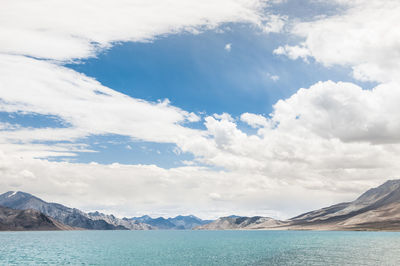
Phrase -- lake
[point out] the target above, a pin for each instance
(200, 248)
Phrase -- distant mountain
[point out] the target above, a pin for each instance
(187, 222)
(177, 223)
(141, 219)
(237, 222)
(160, 223)
(23, 220)
(111, 219)
(376, 209)
(68, 216)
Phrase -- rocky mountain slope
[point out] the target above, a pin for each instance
(376, 209)
(23, 220)
(95, 220)
(65, 215)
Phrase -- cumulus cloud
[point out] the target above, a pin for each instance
(326, 127)
(293, 52)
(363, 37)
(254, 120)
(344, 111)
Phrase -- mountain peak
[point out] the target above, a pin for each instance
(10, 194)
(181, 217)
(17, 195)
(386, 188)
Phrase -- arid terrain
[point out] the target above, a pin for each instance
(376, 209)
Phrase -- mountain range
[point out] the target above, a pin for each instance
(75, 218)
(376, 209)
(179, 222)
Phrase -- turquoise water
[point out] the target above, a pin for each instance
(199, 248)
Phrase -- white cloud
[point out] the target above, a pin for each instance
(274, 24)
(65, 30)
(224, 116)
(254, 120)
(363, 37)
(75, 99)
(273, 77)
(293, 52)
(344, 111)
(228, 47)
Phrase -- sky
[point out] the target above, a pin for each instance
(245, 107)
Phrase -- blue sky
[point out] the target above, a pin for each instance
(196, 73)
